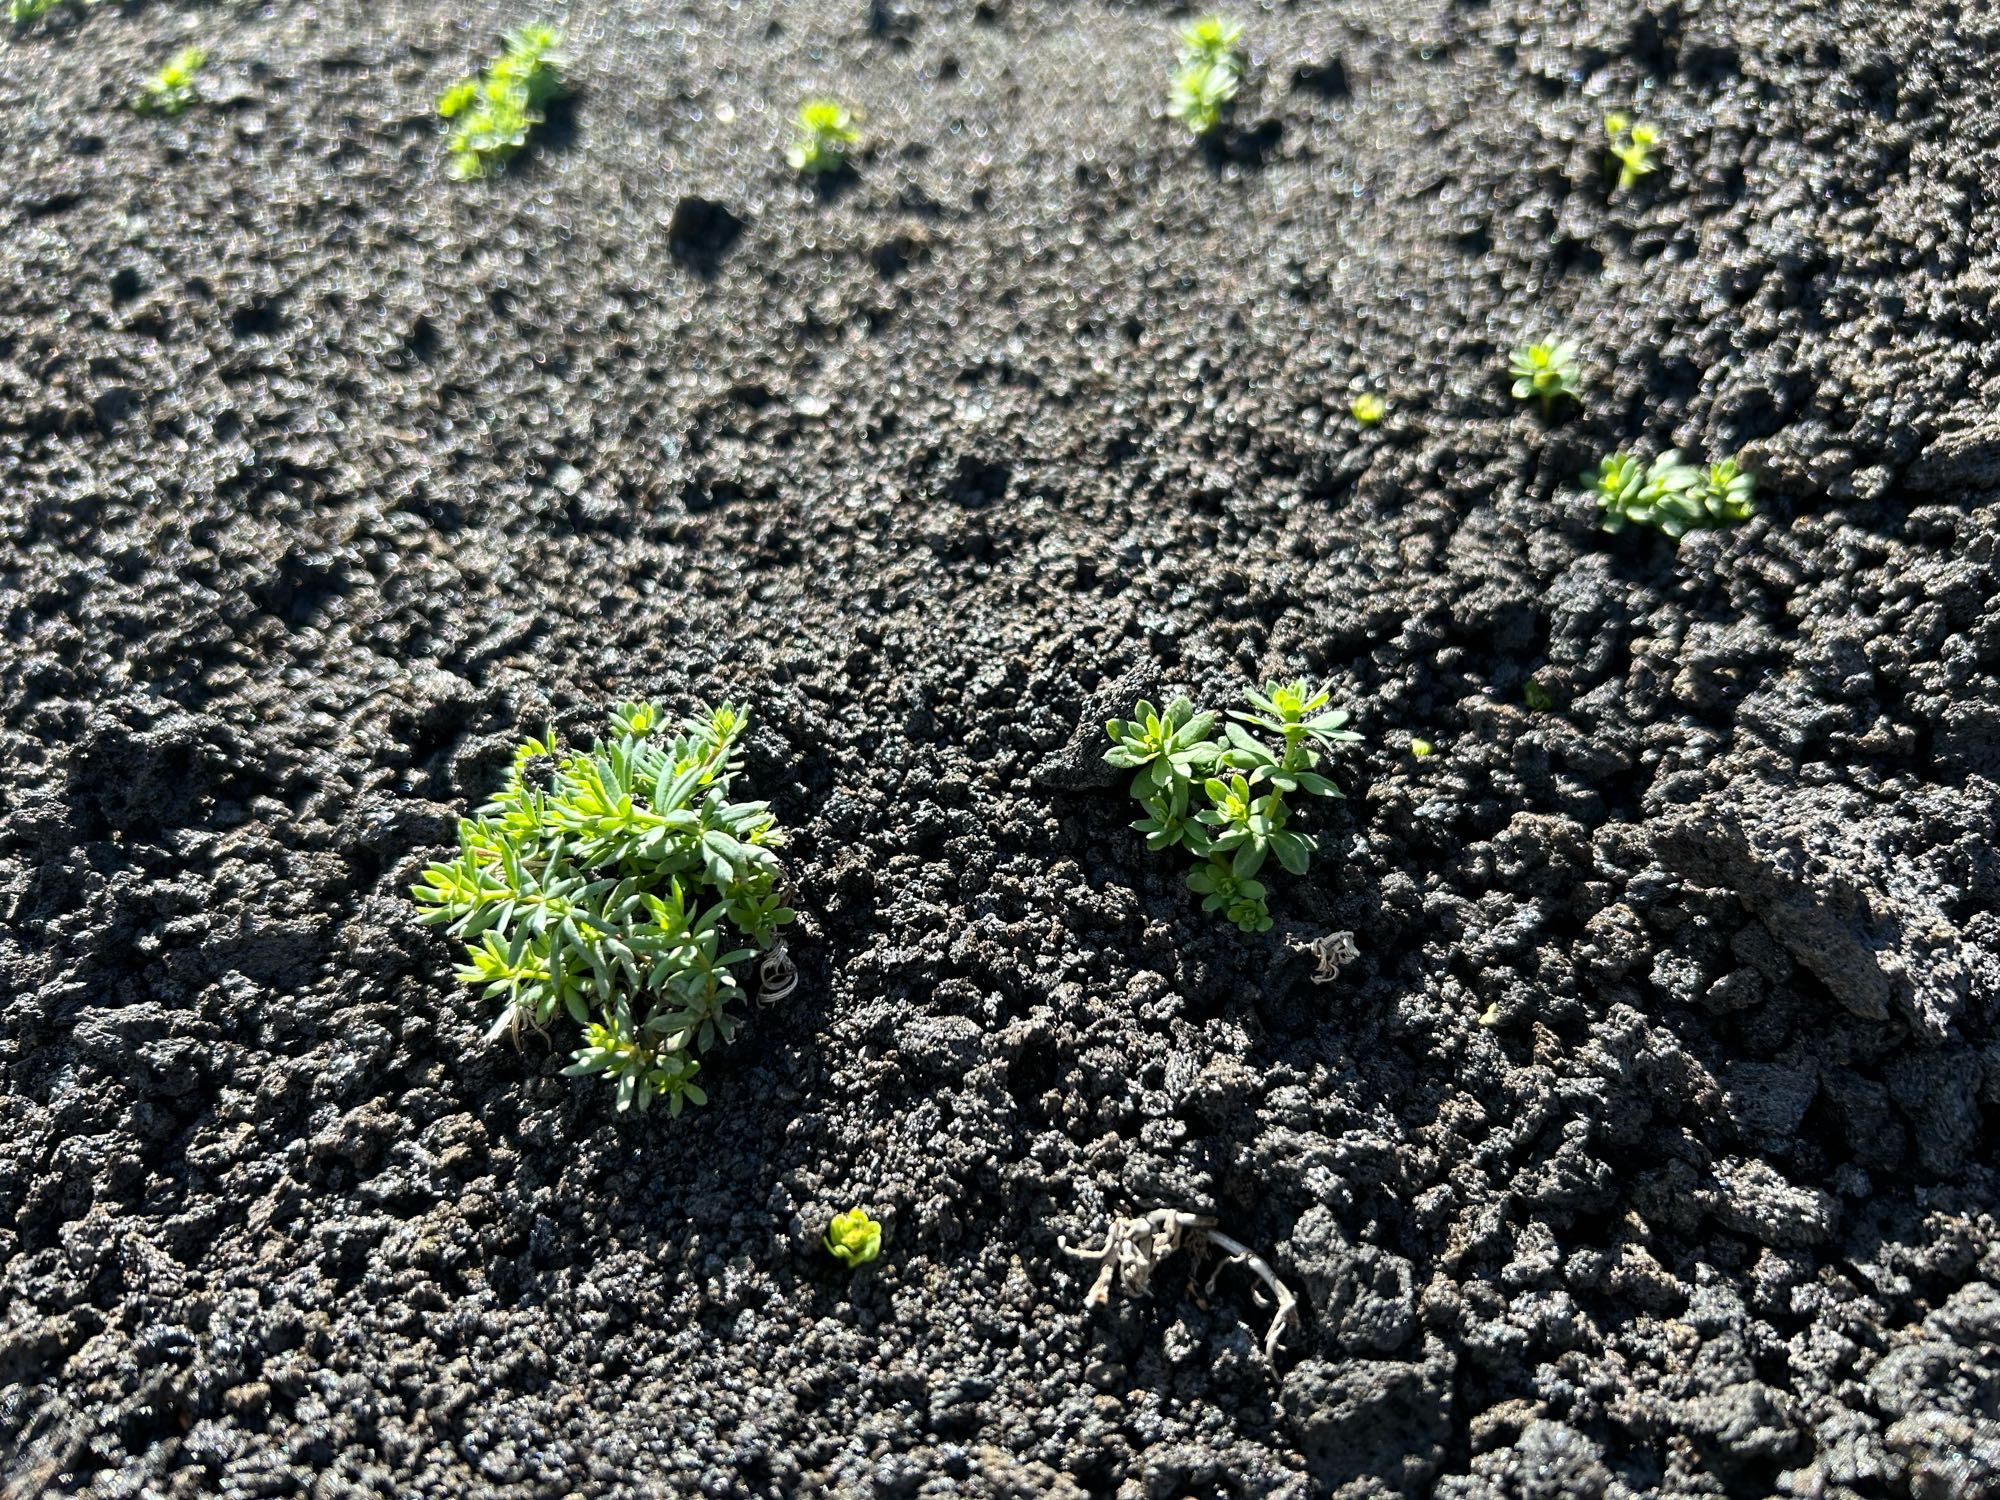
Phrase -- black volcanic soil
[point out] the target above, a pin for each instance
(1648, 1145)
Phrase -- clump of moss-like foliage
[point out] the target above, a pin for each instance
(618, 886)
(494, 114)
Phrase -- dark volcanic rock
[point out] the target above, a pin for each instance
(1645, 1147)
(1850, 887)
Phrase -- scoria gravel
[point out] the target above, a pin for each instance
(1647, 1147)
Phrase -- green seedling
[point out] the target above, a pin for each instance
(1209, 73)
(171, 91)
(1367, 408)
(1245, 778)
(1422, 749)
(1631, 149)
(1670, 495)
(494, 114)
(609, 886)
(1728, 494)
(853, 1238)
(27, 12)
(1547, 372)
(824, 135)
(1535, 693)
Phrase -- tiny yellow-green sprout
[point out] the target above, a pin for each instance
(171, 91)
(1367, 408)
(1546, 371)
(824, 134)
(1209, 73)
(1536, 695)
(1631, 149)
(853, 1238)
(1422, 749)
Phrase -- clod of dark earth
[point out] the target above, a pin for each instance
(1645, 1143)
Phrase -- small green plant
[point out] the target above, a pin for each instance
(824, 135)
(1670, 495)
(1631, 149)
(27, 12)
(171, 91)
(1246, 819)
(853, 1238)
(1422, 749)
(495, 113)
(1547, 372)
(604, 885)
(1535, 693)
(1728, 494)
(1209, 73)
(1367, 408)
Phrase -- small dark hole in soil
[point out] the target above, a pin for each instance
(1249, 147)
(830, 187)
(894, 256)
(701, 232)
(126, 284)
(977, 482)
(1573, 255)
(1327, 79)
(113, 406)
(1032, 1074)
(557, 132)
(422, 340)
(258, 318)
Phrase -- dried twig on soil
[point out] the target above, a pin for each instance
(1133, 1249)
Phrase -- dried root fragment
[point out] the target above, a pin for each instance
(1133, 1249)
(777, 975)
(1334, 952)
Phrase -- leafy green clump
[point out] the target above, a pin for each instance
(1545, 371)
(853, 1238)
(824, 134)
(605, 884)
(1631, 149)
(26, 12)
(1209, 73)
(1246, 819)
(1367, 408)
(171, 91)
(496, 112)
(1672, 496)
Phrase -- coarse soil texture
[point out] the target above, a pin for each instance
(1647, 1146)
